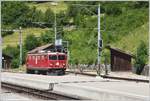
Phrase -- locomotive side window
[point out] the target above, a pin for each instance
(29, 57)
(45, 57)
(33, 57)
(38, 57)
(52, 57)
(42, 57)
(61, 57)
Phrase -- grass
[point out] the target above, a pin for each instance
(13, 39)
(21, 69)
(61, 6)
(132, 40)
(123, 31)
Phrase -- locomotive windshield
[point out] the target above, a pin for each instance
(52, 57)
(61, 57)
(55, 57)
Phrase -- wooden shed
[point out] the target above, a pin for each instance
(120, 60)
(6, 61)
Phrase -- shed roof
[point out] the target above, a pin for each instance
(120, 51)
(7, 56)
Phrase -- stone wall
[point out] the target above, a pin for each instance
(145, 70)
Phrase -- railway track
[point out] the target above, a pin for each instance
(41, 94)
(111, 77)
(104, 76)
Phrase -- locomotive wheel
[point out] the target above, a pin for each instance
(43, 72)
(61, 72)
(30, 71)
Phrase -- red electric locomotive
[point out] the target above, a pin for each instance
(46, 62)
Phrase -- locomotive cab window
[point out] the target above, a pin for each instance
(61, 57)
(52, 57)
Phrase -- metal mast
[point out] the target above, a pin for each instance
(55, 24)
(20, 43)
(99, 40)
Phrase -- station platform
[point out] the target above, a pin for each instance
(94, 88)
(119, 74)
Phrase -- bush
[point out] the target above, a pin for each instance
(141, 57)
(49, 17)
(7, 33)
(13, 11)
(141, 4)
(14, 53)
(114, 10)
(62, 18)
(11, 51)
(47, 37)
(18, 13)
(31, 42)
(15, 63)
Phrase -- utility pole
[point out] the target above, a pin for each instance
(68, 52)
(0, 52)
(55, 24)
(20, 43)
(99, 41)
(0, 59)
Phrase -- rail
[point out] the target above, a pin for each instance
(42, 94)
(111, 77)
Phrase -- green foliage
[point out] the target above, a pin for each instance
(118, 20)
(14, 53)
(49, 17)
(141, 57)
(62, 18)
(19, 14)
(13, 11)
(60, 32)
(31, 42)
(140, 4)
(15, 63)
(113, 10)
(11, 51)
(82, 46)
(114, 27)
(6, 33)
(47, 37)
(79, 20)
(119, 26)
(34, 15)
(24, 54)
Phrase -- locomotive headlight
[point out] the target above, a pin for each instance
(57, 63)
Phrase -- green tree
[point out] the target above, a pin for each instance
(141, 57)
(35, 15)
(15, 63)
(113, 10)
(62, 18)
(14, 53)
(31, 42)
(11, 51)
(49, 17)
(13, 12)
(47, 37)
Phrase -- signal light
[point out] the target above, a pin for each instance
(100, 43)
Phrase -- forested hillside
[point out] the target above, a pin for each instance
(123, 25)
